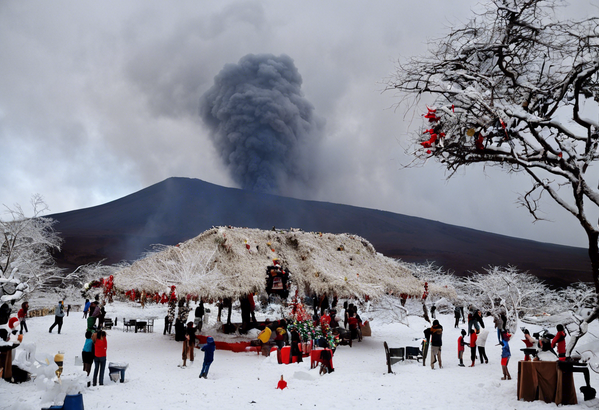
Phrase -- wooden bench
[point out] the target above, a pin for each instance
(108, 323)
(393, 355)
(127, 324)
(413, 353)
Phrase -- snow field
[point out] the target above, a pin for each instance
(248, 380)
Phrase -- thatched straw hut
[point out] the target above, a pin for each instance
(231, 262)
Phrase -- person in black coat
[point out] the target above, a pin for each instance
(436, 343)
(296, 351)
(457, 314)
(199, 316)
(4, 313)
(179, 330)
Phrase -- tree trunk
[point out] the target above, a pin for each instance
(594, 256)
(425, 311)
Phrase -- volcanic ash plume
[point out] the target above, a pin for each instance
(261, 124)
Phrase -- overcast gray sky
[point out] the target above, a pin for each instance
(101, 99)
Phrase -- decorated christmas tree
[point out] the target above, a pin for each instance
(305, 325)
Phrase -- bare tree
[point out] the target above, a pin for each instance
(516, 88)
(183, 267)
(506, 288)
(577, 296)
(26, 244)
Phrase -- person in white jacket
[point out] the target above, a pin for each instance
(480, 343)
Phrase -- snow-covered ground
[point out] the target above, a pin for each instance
(247, 380)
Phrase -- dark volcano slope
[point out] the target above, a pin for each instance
(178, 209)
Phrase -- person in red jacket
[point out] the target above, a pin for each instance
(529, 341)
(461, 343)
(560, 341)
(473, 337)
(22, 315)
(100, 346)
(354, 326)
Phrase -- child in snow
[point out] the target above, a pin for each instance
(461, 348)
(87, 354)
(473, 337)
(505, 355)
(208, 350)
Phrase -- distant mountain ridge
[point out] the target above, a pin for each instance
(178, 209)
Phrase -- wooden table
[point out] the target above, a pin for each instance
(539, 380)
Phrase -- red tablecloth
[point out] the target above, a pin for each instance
(286, 355)
(315, 357)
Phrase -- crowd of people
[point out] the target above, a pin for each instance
(334, 329)
(279, 334)
(475, 337)
(185, 332)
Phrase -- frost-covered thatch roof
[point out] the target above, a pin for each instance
(231, 262)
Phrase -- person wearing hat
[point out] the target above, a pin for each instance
(58, 316)
(505, 355)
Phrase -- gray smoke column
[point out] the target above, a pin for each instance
(261, 124)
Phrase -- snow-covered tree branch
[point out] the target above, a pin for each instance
(25, 250)
(517, 88)
(507, 289)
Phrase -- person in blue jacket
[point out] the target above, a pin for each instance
(505, 355)
(86, 308)
(208, 350)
